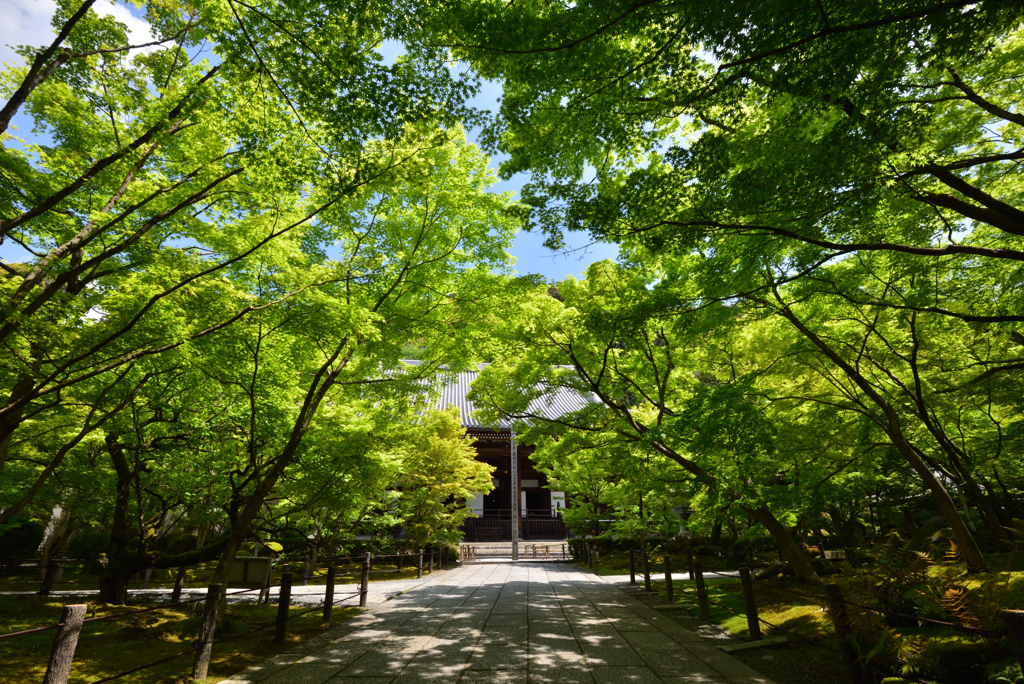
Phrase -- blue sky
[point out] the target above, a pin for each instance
(531, 255)
(27, 22)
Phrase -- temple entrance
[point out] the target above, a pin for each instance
(537, 518)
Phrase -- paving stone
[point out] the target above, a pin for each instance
(579, 676)
(625, 675)
(315, 672)
(613, 656)
(493, 677)
(677, 663)
(498, 656)
(377, 664)
(656, 641)
(507, 624)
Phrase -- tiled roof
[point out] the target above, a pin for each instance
(552, 405)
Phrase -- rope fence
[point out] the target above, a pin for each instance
(855, 665)
(74, 617)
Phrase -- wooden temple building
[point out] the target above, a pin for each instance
(537, 517)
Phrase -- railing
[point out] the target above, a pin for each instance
(488, 529)
(506, 513)
(543, 528)
(497, 525)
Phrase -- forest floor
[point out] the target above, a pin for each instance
(108, 647)
(112, 646)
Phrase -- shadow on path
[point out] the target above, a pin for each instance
(513, 623)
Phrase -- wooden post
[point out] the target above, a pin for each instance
(264, 597)
(689, 563)
(837, 611)
(332, 576)
(179, 584)
(668, 579)
(63, 650)
(1014, 620)
(364, 584)
(563, 552)
(702, 592)
(205, 644)
(432, 550)
(632, 566)
(647, 568)
(284, 599)
(749, 605)
(419, 566)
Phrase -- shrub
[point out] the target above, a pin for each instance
(19, 539)
(88, 546)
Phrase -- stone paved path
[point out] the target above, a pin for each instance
(507, 624)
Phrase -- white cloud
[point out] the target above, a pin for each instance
(27, 22)
(138, 29)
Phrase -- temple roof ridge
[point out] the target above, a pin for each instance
(554, 405)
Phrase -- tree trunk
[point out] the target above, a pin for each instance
(113, 583)
(969, 546)
(120, 566)
(791, 551)
(972, 491)
(62, 531)
(894, 431)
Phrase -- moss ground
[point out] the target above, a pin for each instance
(112, 646)
(796, 610)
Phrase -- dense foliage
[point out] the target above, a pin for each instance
(226, 253)
(233, 234)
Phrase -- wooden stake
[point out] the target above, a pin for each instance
(632, 566)
(702, 592)
(284, 599)
(647, 568)
(62, 653)
(668, 579)
(179, 584)
(364, 585)
(419, 566)
(750, 606)
(332, 576)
